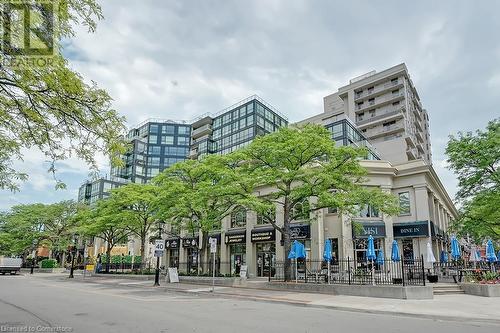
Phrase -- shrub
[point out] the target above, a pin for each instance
(49, 263)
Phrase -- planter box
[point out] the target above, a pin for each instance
(485, 290)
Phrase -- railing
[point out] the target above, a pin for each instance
(457, 271)
(352, 272)
(222, 268)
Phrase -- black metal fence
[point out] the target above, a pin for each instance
(460, 270)
(353, 272)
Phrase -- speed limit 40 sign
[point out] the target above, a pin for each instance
(159, 247)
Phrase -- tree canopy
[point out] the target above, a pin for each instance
(52, 108)
(475, 158)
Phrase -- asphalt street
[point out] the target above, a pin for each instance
(48, 303)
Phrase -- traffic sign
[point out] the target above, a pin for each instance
(213, 245)
(159, 247)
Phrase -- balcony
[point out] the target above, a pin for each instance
(412, 153)
(383, 100)
(418, 125)
(389, 115)
(418, 113)
(200, 131)
(384, 130)
(410, 141)
(419, 136)
(378, 90)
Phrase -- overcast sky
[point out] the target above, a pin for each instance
(179, 59)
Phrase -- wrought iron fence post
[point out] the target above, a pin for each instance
(403, 270)
(423, 268)
(349, 269)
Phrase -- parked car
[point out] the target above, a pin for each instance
(10, 265)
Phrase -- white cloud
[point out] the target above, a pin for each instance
(180, 59)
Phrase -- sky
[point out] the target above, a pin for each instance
(179, 59)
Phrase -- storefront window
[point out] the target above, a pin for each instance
(266, 258)
(239, 217)
(173, 258)
(360, 246)
(237, 257)
(407, 249)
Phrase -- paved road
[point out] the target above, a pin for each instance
(43, 301)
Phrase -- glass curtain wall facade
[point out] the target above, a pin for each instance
(344, 133)
(234, 128)
(155, 147)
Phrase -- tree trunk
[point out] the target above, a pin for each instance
(287, 242)
(143, 250)
(108, 256)
(63, 258)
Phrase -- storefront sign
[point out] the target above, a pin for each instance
(172, 243)
(236, 237)
(377, 230)
(412, 229)
(300, 231)
(263, 235)
(190, 242)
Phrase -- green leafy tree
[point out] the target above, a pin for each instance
(475, 159)
(101, 221)
(26, 227)
(195, 195)
(51, 108)
(306, 172)
(136, 204)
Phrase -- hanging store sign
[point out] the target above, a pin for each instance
(263, 235)
(236, 237)
(300, 231)
(190, 242)
(376, 230)
(412, 229)
(172, 243)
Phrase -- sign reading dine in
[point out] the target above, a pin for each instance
(413, 229)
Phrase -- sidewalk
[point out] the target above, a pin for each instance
(464, 308)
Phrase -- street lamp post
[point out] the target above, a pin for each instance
(157, 273)
(75, 240)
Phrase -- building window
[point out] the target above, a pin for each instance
(168, 129)
(154, 150)
(332, 210)
(261, 219)
(183, 141)
(153, 128)
(167, 140)
(239, 217)
(368, 211)
(184, 130)
(404, 203)
(371, 101)
(153, 139)
(300, 210)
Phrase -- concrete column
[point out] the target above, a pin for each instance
(317, 233)
(346, 240)
(388, 221)
(422, 214)
(250, 249)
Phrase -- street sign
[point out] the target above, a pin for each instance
(213, 245)
(159, 247)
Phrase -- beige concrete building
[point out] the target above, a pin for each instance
(386, 108)
(426, 212)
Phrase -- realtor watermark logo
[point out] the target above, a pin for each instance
(28, 32)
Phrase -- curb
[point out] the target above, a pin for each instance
(227, 295)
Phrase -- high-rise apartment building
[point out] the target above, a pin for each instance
(234, 127)
(156, 145)
(386, 108)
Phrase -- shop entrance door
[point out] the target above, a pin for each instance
(265, 263)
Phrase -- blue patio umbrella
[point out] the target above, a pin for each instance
(490, 252)
(380, 257)
(327, 252)
(297, 251)
(455, 248)
(444, 256)
(327, 255)
(370, 251)
(395, 251)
